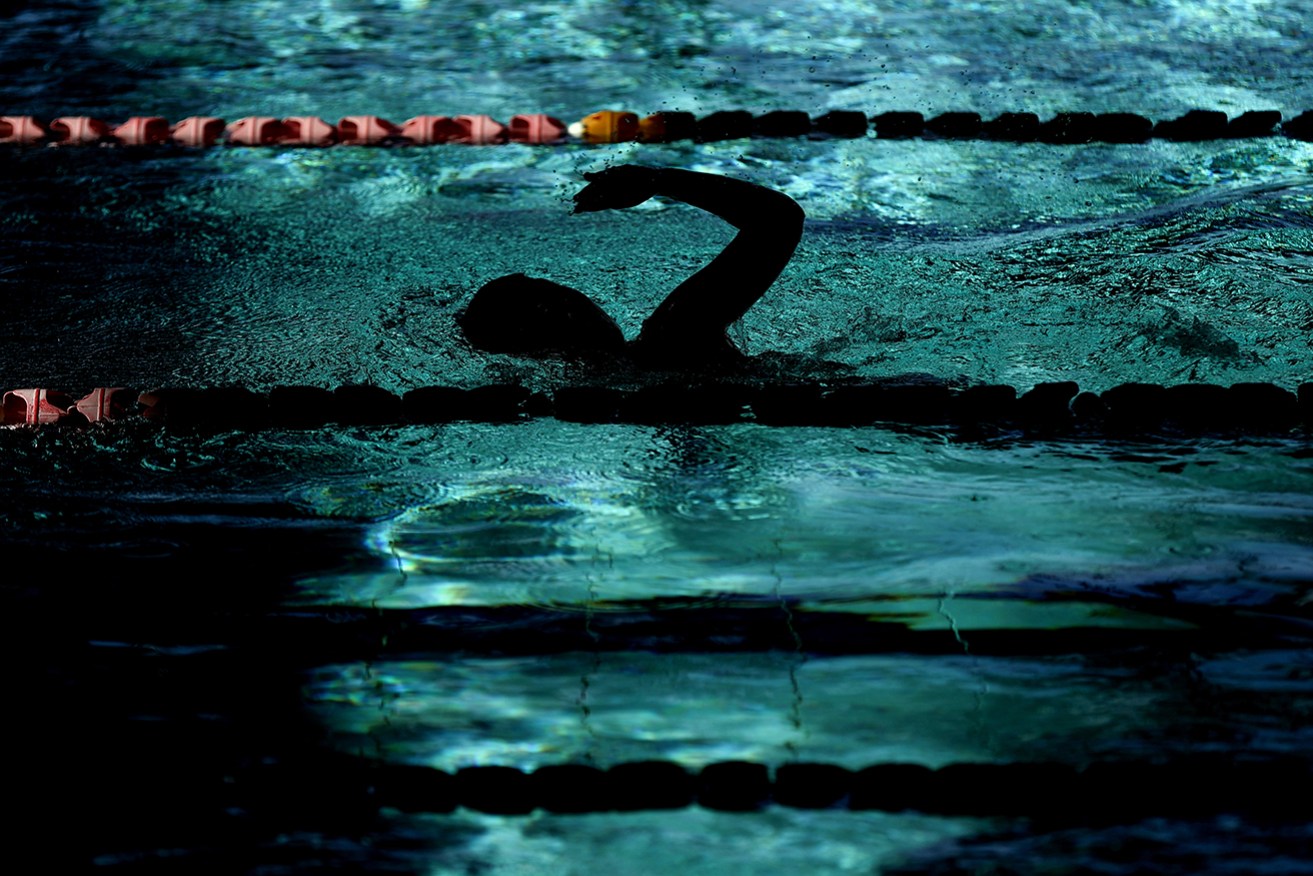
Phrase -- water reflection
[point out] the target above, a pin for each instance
(497, 543)
(649, 515)
(563, 514)
(699, 709)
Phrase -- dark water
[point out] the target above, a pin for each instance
(211, 632)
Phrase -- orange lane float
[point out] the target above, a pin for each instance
(606, 126)
(667, 126)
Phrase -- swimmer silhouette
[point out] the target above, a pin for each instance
(533, 317)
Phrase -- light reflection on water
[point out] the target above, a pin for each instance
(915, 529)
(568, 515)
(607, 708)
(580, 515)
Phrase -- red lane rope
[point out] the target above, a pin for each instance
(616, 126)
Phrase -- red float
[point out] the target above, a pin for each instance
(366, 131)
(21, 129)
(428, 130)
(142, 131)
(34, 407)
(479, 130)
(536, 128)
(307, 131)
(255, 131)
(79, 130)
(198, 131)
(106, 403)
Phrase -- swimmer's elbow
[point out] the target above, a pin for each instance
(786, 210)
(790, 216)
(775, 223)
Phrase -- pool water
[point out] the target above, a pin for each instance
(185, 607)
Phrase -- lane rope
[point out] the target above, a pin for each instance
(1128, 408)
(618, 126)
(1183, 786)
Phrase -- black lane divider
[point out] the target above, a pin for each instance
(1112, 791)
(1068, 128)
(1127, 409)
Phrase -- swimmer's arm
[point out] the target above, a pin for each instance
(741, 204)
(744, 205)
(770, 225)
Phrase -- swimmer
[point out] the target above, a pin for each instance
(533, 317)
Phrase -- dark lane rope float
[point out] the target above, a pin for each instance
(1102, 792)
(1059, 407)
(312, 781)
(618, 126)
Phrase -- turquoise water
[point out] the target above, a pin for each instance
(1097, 264)
(147, 566)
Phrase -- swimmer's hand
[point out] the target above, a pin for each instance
(626, 185)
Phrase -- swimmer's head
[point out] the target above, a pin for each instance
(532, 317)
